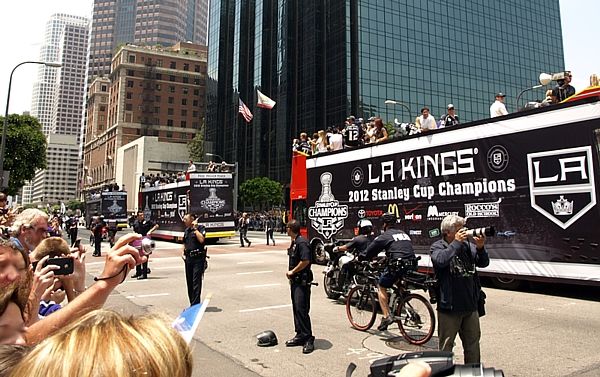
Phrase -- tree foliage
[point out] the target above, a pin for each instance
(261, 192)
(25, 150)
(196, 145)
(75, 204)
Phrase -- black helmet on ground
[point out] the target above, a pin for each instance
(365, 226)
(389, 218)
(266, 338)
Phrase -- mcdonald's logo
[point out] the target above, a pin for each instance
(393, 208)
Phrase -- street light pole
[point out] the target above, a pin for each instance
(215, 155)
(525, 90)
(4, 128)
(394, 102)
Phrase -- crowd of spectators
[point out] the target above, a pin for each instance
(47, 318)
(164, 178)
(259, 220)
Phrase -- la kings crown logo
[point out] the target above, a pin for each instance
(327, 216)
(213, 203)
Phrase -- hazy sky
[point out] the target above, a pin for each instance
(22, 24)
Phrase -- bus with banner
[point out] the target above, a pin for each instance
(107, 204)
(531, 175)
(208, 195)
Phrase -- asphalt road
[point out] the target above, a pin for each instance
(540, 331)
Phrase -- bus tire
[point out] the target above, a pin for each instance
(506, 283)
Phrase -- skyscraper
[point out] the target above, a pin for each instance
(143, 22)
(58, 104)
(54, 48)
(324, 60)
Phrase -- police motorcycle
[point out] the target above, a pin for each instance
(342, 264)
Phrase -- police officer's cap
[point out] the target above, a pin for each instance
(266, 338)
(389, 218)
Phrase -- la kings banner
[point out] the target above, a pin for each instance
(536, 187)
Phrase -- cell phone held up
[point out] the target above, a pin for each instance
(65, 264)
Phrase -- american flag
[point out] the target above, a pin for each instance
(245, 111)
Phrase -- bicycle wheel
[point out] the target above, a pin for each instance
(417, 320)
(361, 307)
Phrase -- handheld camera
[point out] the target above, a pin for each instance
(145, 246)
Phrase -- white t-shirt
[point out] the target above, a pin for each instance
(427, 123)
(336, 142)
(497, 109)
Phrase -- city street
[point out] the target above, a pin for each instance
(539, 331)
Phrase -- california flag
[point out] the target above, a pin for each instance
(264, 101)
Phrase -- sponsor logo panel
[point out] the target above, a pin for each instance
(483, 209)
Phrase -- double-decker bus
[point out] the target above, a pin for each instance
(532, 175)
(107, 204)
(208, 195)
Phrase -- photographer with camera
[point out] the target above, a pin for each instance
(455, 259)
(563, 88)
(145, 228)
(194, 256)
(397, 246)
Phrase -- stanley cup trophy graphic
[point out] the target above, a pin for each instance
(327, 216)
(326, 195)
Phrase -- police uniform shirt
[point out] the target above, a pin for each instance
(299, 251)
(359, 243)
(190, 240)
(143, 227)
(352, 135)
(395, 242)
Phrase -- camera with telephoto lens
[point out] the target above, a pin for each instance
(560, 77)
(441, 363)
(488, 231)
(145, 246)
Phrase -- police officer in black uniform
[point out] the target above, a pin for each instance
(397, 245)
(357, 245)
(145, 228)
(300, 276)
(194, 255)
(97, 228)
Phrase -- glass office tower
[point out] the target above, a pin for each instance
(322, 60)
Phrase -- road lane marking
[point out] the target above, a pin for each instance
(149, 295)
(262, 285)
(266, 308)
(253, 272)
(250, 262)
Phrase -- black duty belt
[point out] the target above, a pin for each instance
(194, 253)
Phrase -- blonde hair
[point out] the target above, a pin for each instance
(594, 80)
(107, 344)
(53, 246)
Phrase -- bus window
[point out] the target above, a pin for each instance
(299, 211)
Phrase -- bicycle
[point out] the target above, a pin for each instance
(412, 312)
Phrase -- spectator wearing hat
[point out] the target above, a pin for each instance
(498, 108)
(425, 122)
(563, 88)
(450, 119)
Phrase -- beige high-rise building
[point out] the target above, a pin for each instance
(150, 92)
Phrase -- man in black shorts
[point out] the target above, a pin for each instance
(397, 245)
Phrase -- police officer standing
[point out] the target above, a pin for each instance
(194, 255)
(397, 245)
(97, 227)
(300, 277)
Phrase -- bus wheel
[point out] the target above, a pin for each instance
(507, 283)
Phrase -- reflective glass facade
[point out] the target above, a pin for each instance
(322, 60)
